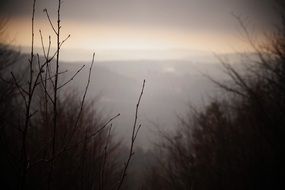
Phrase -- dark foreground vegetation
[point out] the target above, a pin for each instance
(51, 138)
(237, 141)
(54, 139)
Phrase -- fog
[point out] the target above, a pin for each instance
(172, 87)
(142, 94)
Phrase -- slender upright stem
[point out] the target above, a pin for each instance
(135, 131)
(55, 97)
(24, 156)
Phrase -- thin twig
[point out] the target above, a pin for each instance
(135, 131)
(20, 89)
(55, 95)
(24, 156)
(71, 77)
(50, 22)
(105, 158)
(69, 147)
(42, 42)
(64, 40)
(82, 101)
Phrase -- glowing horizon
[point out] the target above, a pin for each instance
(123, 38)
(131, 29)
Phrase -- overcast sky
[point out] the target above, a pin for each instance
(143, 24)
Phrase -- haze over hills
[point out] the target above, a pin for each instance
(193, 55)
(171, 87)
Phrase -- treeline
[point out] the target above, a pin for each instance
(87, 156)
(237, 141)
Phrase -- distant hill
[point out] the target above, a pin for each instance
(171, 85)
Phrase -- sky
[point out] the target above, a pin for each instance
(140, 29)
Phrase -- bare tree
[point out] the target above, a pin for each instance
(237, 141)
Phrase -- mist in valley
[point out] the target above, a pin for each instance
(142, 94)
(171, 87)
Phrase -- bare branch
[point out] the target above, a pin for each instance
(28, 102)
(105, 158)
(64, 40)
(136, 134)
(42, 41)
(55, 90)
(20, 89)
(83, 99)
(135, 131)
(69, 147)
(44, 84)
(46, 11)
(71, 77)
